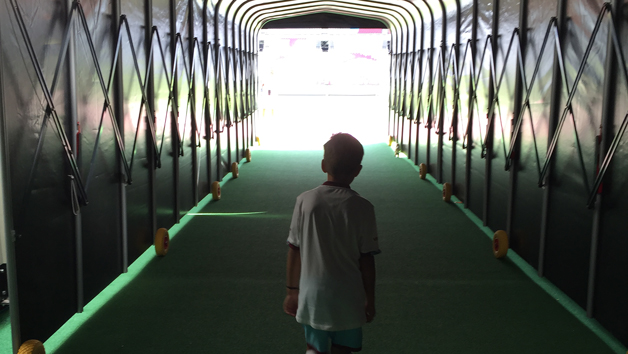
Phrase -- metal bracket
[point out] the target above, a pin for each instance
(4, 283)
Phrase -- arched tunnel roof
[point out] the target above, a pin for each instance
(404, 18)
(324, 20)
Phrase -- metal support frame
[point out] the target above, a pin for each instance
(219, 112)
(441, 93)
(118, 98)
(252, 22)
(175, 39)
(453, 131)
(7, 215)
(230, 106)
(208, 60)
(553, 32)
(340, 4)
(218, 116)
(526, 101)
(469, 131)
(518, 108)
(74, 123)
(50, 112)
(571, 94)
(77, 11)
(611, 145)
(554, 107)
(492, 94)
(430, 87)
(608, 110)
(152, 154)
(418, 61)
(234, 65)
(76, 17)
(192, 100)
(247, 88)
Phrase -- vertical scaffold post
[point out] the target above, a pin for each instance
(118, 99)
(73, 117)
(174, 120)
(555, 108)
(608, 109)
(518, 106)
(6, 216)
(489, 133)
(441, 92)
(419, 85)
(430, 85)
(390, 86)
(218, 94)
(469, 132)
(150, 88)
(193, 136)
(456, 109)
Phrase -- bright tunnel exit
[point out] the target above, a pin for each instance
(317, 82)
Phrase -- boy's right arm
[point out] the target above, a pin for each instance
(293, 276)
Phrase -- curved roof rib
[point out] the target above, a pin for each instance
(403, 17)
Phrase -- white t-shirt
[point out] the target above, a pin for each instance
(332, 226)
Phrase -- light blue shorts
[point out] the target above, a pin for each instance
(319, 340)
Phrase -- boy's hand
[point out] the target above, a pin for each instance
(291, 303)
(370, 311)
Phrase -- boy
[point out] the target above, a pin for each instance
(331, 268)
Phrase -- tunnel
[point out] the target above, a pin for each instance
(143, 211)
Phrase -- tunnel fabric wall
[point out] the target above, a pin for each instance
(43, 221)
(67, 252)
(534, 179)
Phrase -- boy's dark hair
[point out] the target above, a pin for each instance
(343, 154)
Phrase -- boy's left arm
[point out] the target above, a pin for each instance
(293, 276)
(367, 268)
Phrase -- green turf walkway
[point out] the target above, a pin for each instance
(221, 286)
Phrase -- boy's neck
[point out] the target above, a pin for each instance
(344, 182)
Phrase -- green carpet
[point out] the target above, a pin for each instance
(221, 286)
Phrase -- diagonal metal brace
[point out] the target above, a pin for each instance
(50, 109)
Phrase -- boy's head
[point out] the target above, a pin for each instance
(343, 156)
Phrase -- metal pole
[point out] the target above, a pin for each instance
(608, 109)
(193, 142)
(420, 80)
(6, 213)
(175, 113)
(469, 132)
(412, 116)
(454, 117)
(555, 107)
(390, 88)
(430, 85)
(518, 101)
(217, 88)
(208, 61)
(441, 92)
(73, 117)
(118, 99)
(148, 12)
(489, 133)
(227, 73)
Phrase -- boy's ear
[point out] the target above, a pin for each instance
(323, 166)
(357, 171)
